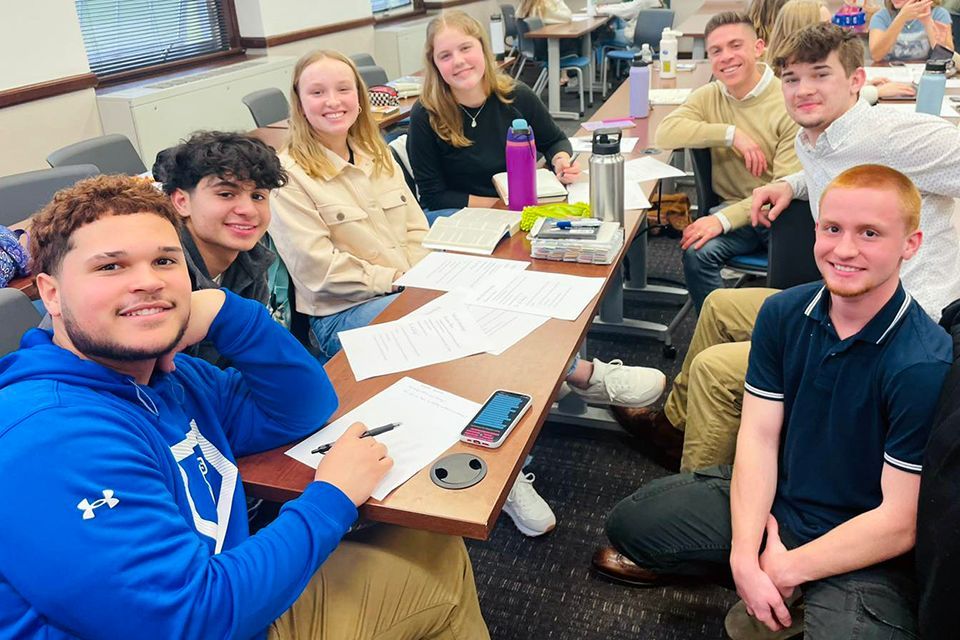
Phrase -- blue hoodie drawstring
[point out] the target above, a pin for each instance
(145, 399)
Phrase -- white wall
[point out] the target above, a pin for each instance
(42, 42)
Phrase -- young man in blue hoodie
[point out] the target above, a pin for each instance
(123, 510)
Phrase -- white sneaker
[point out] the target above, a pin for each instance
(614, 383)
(527, 509)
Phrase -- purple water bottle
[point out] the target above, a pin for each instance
(521, 166)
(639, 89)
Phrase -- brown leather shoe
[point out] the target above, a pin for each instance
(612, 564)
(654, 432)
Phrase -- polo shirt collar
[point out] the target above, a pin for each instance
(841, 128)
(879, 327)
(765, 78)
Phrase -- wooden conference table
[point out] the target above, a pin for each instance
(535, 366)
(553, 34)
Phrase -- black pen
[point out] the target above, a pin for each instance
(366, 434)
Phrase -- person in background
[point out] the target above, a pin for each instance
(815, 507)
(124, 455)
(456, 145)
(909, 30)
(459, 126)
(762, 14)
(797, 14)
(550, 11)
(345, 224)
(220, 184)
(741, 119)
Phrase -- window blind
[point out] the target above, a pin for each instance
(123, 35)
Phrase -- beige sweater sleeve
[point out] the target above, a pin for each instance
(784, 163)
(320, 270)
(687, 126)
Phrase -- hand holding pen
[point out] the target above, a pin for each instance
(355, 464)
(567, 170)
(366, 434)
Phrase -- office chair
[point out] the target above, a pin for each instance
(24, 194)
(267, 106)
(788, 260)
(372, 75)
(650, 26)
(511, 31)
(17, 315)
(113, 153)
(536, 50)
(362, 60)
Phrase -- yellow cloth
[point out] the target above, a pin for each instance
(703, 120)
(345, 239)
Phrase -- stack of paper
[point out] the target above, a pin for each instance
(448, 271)
(430, 423)
(602, 250)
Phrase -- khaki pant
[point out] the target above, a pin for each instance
(707, 397)
(388, 583)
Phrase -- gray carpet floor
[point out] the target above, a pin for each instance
(542, 588)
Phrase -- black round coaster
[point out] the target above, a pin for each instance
(458, 471)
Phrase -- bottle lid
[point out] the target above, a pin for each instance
(520, 126)
(638, 61)
(936, 66)
(606, 142)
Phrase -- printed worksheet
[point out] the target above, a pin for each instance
(546, 294)
(430, 420)
(447, 271)
(412, 342)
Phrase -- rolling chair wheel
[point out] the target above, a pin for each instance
(670, 352)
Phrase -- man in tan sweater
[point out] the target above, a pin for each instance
(742, 119)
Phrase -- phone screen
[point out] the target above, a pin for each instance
(496, 415)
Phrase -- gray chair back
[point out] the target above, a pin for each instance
(113, 153)
(267, 106)
(17, 315)
(373, 75)
(535, 49)
(510, 28)
(650, 26)
(24, 194)
(362, 60)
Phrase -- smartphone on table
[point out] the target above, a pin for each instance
(496, 418)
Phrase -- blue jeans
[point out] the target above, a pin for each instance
(438, 213)
(326, 328)
(680, 525)
(701, 268)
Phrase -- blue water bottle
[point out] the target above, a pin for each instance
(933, 83)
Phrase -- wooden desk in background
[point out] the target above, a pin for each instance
(553, 34)
(534, 366)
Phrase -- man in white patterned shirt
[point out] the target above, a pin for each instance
(822, 74)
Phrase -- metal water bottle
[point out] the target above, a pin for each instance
(606, 176)
(932, 84)
(521, 154)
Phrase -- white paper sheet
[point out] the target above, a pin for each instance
(634, 196)
(447, 271)
(669, 96)
(585, 144)
(642, 169)
(503, 328)
(430, 423)
(893, 74)
(546, 294)
(409, 343)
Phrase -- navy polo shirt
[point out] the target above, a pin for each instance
(849, 405)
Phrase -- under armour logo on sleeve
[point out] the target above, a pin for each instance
(87, 507)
